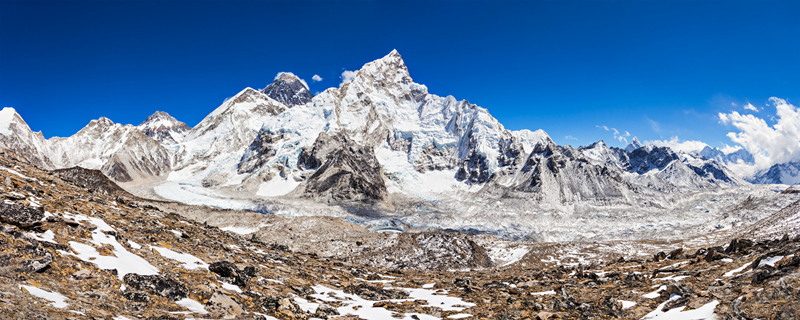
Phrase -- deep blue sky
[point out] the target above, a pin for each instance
(655, 69)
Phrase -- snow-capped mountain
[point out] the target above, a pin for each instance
(288, 89)
(16, 136)
(635, 144)
(732, 157)
(374, 139)
(164, 128)
(123, 152)
(782, 173)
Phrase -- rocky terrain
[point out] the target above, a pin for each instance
(76, 247)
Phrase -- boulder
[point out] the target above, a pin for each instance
(224, 307)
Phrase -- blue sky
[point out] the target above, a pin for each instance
(654, 69)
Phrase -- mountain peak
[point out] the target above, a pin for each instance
(635, 144)
(102, 121)
(391, 67)
(289, 89)
(164, 128)
(8, 116)
(160, 119)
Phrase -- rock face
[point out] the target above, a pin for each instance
(20, 216)
(289, 90)
(344, 171)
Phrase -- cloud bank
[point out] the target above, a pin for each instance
(676, 144)
(769, 144)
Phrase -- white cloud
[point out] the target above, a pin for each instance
(751, 107)
(676, 144)
(348, 75)
(570, 138)
(316, 78)
(617, 136)
(769, 145)
(727, 149)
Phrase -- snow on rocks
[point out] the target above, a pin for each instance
(737, 270)
(353, 304)
(769, 261)
(704, 312)
(123, 260)
(654, 294)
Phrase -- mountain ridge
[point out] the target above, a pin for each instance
(377, 148)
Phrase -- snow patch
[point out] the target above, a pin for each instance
(704, 312)
(57, 300)
(123, 260)
(231, 287)
(189, 262)
(192, 305)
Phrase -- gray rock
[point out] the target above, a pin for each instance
(20, 216)
(222, 306)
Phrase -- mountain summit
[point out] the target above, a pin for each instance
(289, 89)
(164, 128)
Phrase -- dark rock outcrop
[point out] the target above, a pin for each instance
(289, 90)
(346, 171)
(229, 270)
(92, 180)
(158, 285)
(19, 215)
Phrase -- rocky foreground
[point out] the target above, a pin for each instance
(75, 247)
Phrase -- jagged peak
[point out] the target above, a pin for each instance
(390, 66)
(635, 144)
